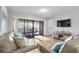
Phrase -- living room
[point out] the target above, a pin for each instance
(38, 25)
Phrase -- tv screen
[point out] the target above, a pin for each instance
(64, 23)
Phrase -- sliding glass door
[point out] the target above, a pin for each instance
(36, 28)
(30, 28)
(41, 27)
(21, 26)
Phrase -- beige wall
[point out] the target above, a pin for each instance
(74, 16)
(10, 23)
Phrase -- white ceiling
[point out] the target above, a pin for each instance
(35, 10)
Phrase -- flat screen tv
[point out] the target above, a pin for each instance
(64, 23)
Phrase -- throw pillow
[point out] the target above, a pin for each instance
(61, 48)
(57, 47)
(19, 35)
(69, 38)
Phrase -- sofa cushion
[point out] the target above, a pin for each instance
(71, 46)
(36, 50)
(7, 44)
(12, 43)
(66, 40)
(4, 46)
(26, 49)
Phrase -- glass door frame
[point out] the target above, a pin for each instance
(41, 27)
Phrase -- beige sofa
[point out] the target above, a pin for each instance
(41, 48)
(8, 45)
(71, 46)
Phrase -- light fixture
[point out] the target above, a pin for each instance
(43, 10)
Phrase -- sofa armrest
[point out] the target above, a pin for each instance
(26, 49)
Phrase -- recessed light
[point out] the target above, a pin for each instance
(43, 10)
